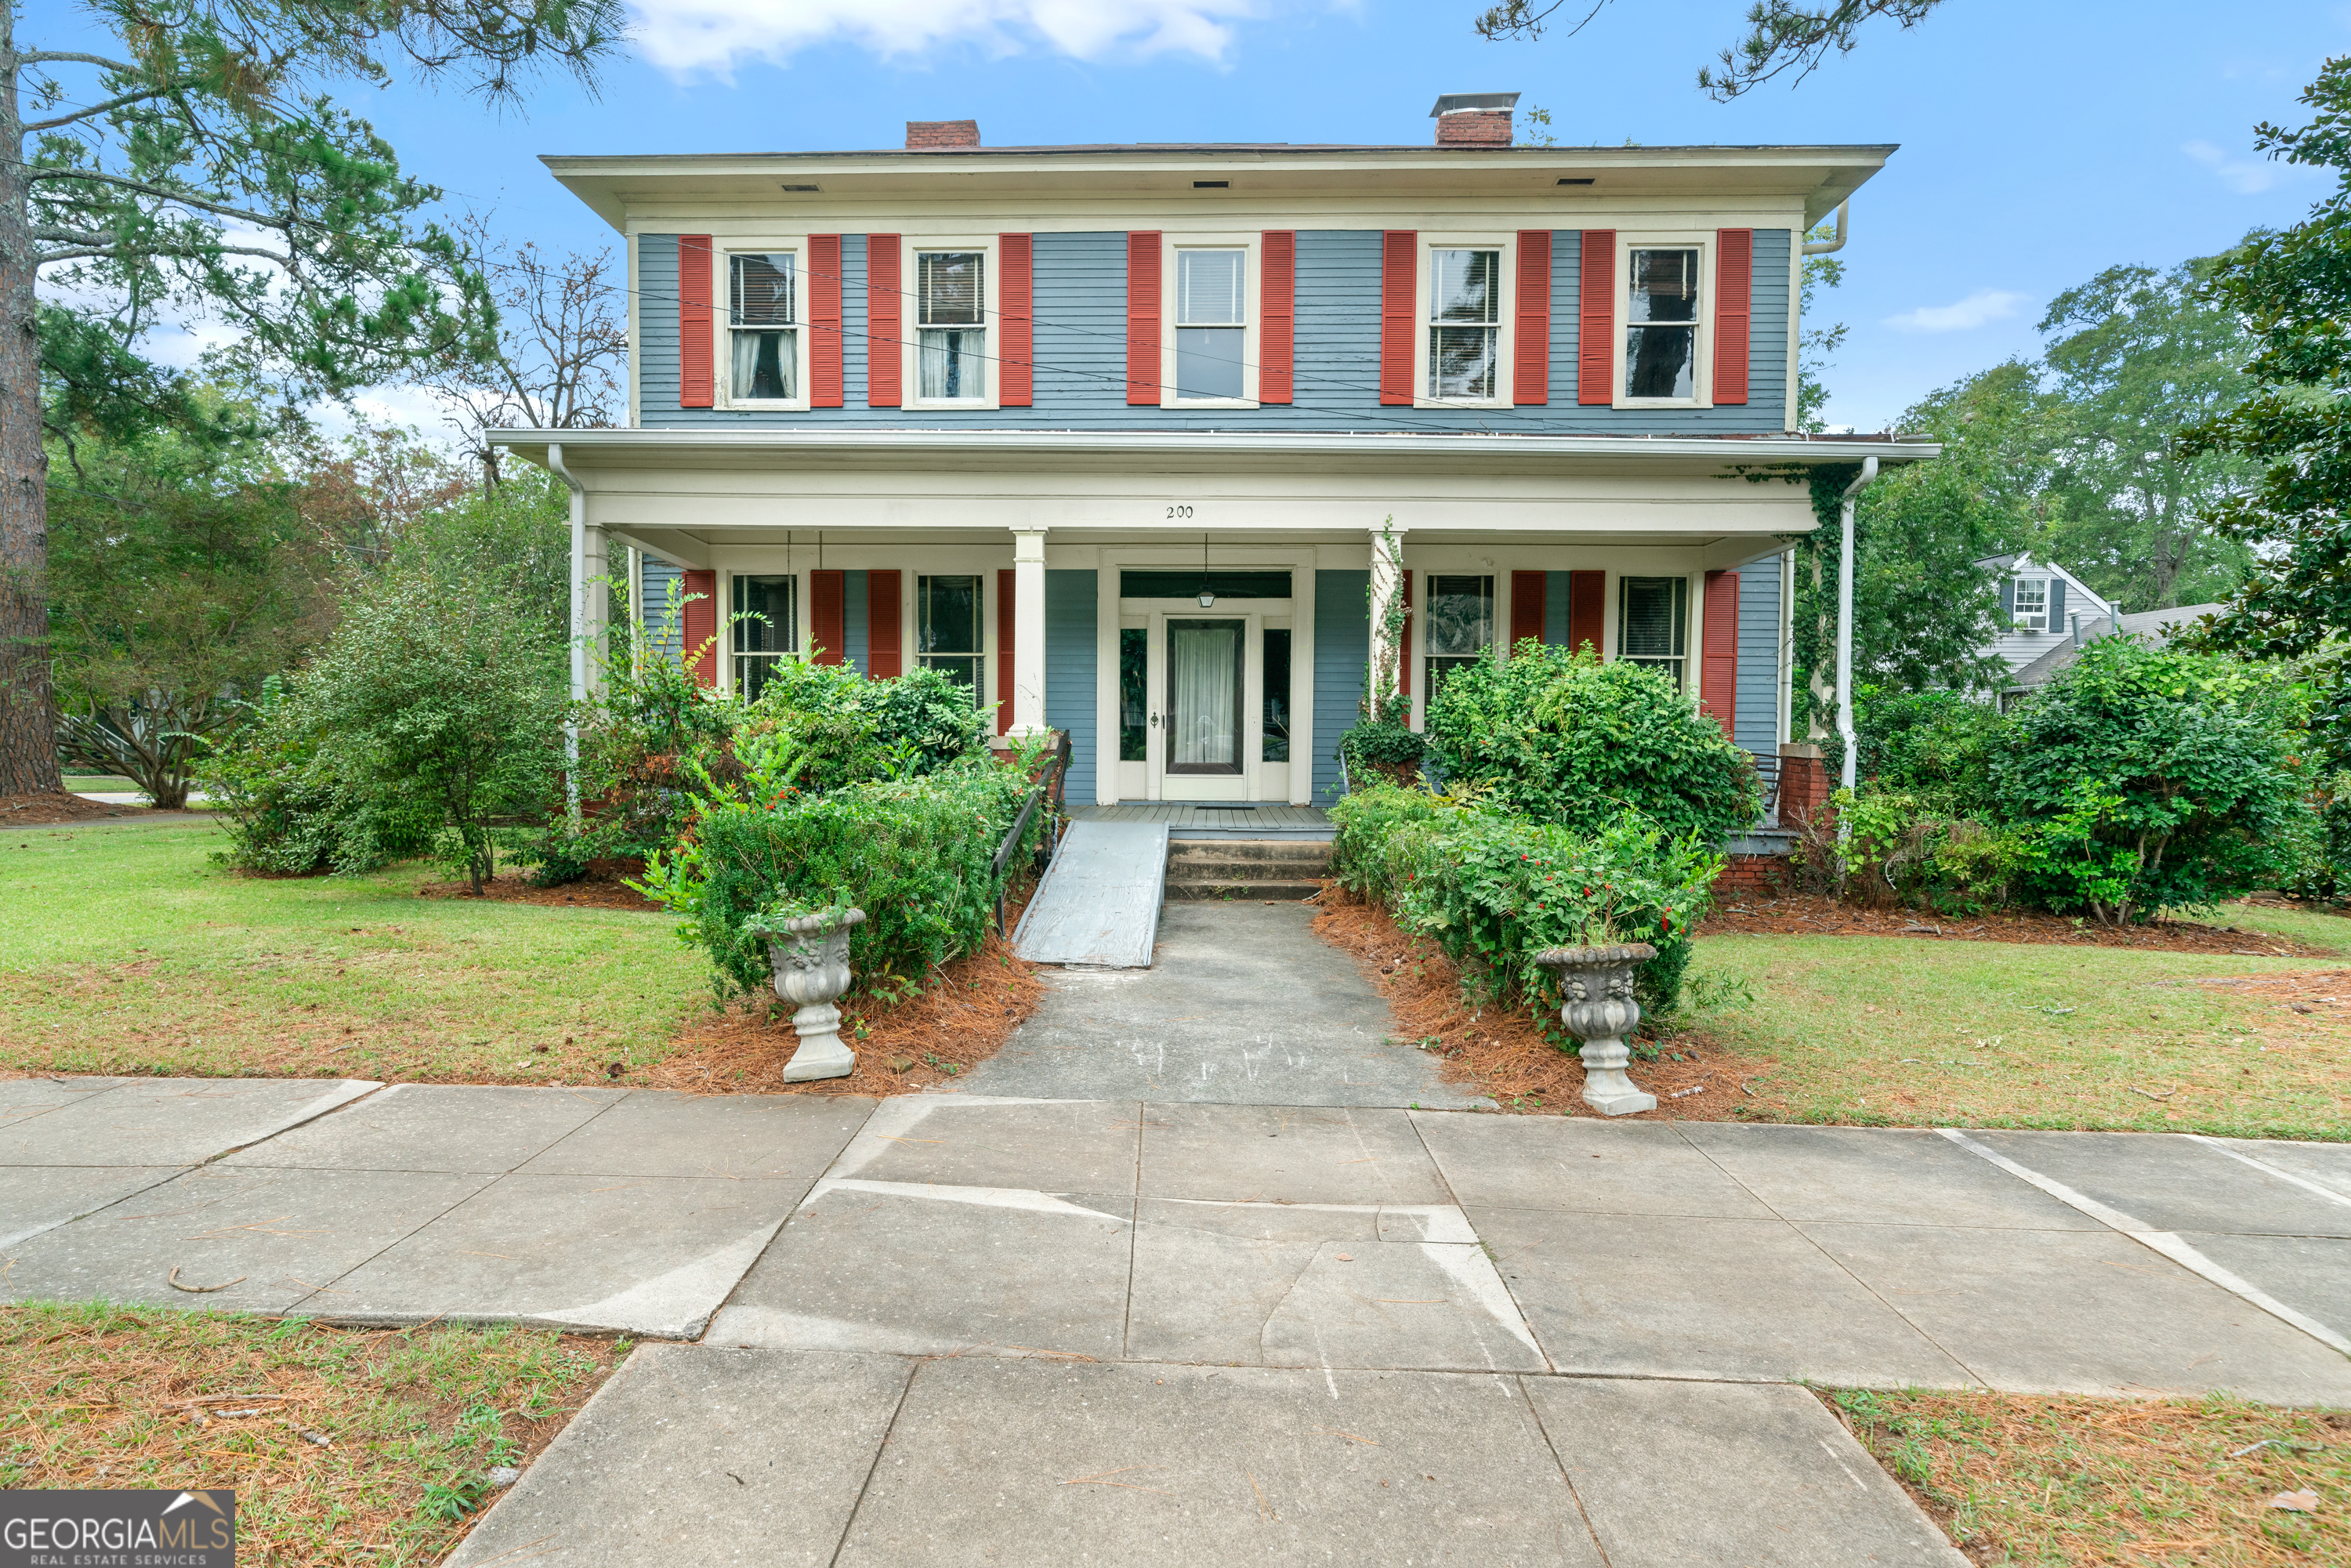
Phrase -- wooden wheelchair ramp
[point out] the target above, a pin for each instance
(1098, 905)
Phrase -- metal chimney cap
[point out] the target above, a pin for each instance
(1457, 102)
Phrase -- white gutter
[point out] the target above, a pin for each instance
(1829, 246)
(578, 616)
(1844, 631)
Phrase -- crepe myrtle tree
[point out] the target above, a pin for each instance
(193, 157)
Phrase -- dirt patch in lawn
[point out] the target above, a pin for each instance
(1808, 916)
(2057, 1478)
(1503, 1053)
(600, 891)
(46, 807)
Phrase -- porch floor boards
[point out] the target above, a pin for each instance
(1206, 819)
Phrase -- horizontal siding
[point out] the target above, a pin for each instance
(664, 586)
(1758, 726)
(853, 614)
(1343, 649)
(1555, 610)
(1071, 652)
(1081, 352)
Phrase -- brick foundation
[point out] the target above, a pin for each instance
(1755, 876)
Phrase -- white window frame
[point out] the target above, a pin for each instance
(2039, 620)
(1702, 355)
(723, 354)
(910, 318)
(1252, 315)
(1506, 315)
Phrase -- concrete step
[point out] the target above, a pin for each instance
(1229, 858)
(1288, 890)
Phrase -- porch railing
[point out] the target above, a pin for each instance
(1049, 795)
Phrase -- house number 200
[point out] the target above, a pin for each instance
(1179, 511)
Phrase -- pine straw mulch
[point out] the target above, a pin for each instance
(1806, 915)
(934, 1037)
(2064, 1479)
(344, 1446)
(47, 808)
(1503, 1053)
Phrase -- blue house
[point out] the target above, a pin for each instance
(1115, 434)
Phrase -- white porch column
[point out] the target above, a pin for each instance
(1387, 582)
(596, 607)
(1027, 631)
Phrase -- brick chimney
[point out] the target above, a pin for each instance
(1474, 119)
(922, 134)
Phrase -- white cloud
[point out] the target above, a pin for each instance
(2244, 177)
(687, 36)
(1980, 308)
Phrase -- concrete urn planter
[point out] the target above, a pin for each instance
(1599, 1011)
(810, 962)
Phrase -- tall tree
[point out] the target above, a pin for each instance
(2139, 355)
(1780, 35)
(199, 160)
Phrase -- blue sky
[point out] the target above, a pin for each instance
(2040, 142)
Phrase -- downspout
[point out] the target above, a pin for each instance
(1845, 771)
(1829, 246)
(579, 620)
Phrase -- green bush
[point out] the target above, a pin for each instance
(915, 854)
(287, 810)
(1569, 740)
(1906, 849)
(1381, 747)
(2147, 779)
(1936, 747)
(1494, 890)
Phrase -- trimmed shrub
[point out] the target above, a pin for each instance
(1569, 740)
(1936, 747)
(286, 810)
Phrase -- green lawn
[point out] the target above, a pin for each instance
(1906, 1031)
(124, 949)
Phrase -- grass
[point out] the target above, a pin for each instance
(2040, 1480)
(123, 949)
(1908, 1033)
(101, 1396)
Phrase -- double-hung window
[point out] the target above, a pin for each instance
(1465, 324)
(1211, 323)
(1661, 319)
(763, 328)
(1460, 624)
(766, 629)
(947, 627)
(2032, 604)
(951, 325)
(1653, 624)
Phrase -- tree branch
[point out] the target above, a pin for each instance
(110, 251)
(161, 192)
(109, 105)
(44, 56)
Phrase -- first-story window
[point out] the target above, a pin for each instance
(951, 301)
(1211, 322)
(1276, 717)
(766, 629)
(1465, 314)
(948, 620)
(763, 324)
(1661, 324)
(2032, 604)
(1653, 622)
(1460, 624)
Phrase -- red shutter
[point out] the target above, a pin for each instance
(1717, 680)
(699, 616)
(1278, 337)
(1587, 610)
(694, 326)
(1143, 317)
(1734, 311)
(1005, 578)
(1399, 280)
(1404, 645)
(824, 320)
(1016, 375)
(883, 658)
(1530, 349)
(884, 311)
(1595, 321)
(828, 620)
(1526, 608)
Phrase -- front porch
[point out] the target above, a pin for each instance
(1188, 819)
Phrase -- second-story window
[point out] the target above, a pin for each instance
(1211, 322)
(762, 318)
(952, 303)
(1465, 314)
(2032, 604)
(1661, 324)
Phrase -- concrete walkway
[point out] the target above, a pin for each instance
(965, 1328)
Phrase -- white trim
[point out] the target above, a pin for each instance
(1702, 337)
(1252, 271)
(1505, 241)
(911, 249)
(636, 303)
(723, 328)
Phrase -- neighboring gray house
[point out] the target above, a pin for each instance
(2051, 615)
(2156, 626)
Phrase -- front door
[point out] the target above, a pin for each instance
(1202, 712)
(1204, 699)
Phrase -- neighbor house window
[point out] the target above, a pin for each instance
(766, 629)
(1460, 624)
(1211, 322)
(2032, 603)
(1465, 316)
(1661, 324)
(951, 332)
(1276, 717)
(763, 321)
(1653, 622)
(947, 625)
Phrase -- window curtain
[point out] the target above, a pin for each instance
(1207, 722)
